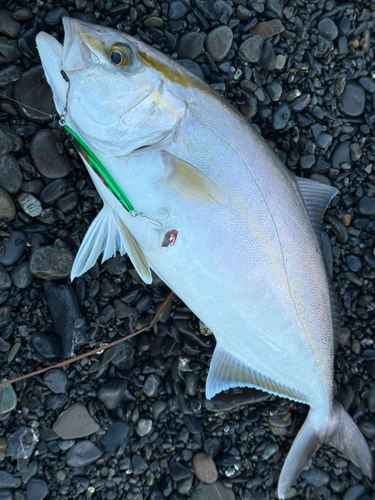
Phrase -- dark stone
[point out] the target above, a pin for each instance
(139, 465)
(47, 156)
(317, 477)
(112, 393)
(281, 116)
(8, 50)
(55, 15)
(177, 10)
(341, 155)
(21, 275)
(9, 481)
(47, 346)
(328, 29)
(251, 49)
(5, 281)
(33, 90)
(67, 319)
(56, 381)
(193, 67)
(51, 262)
(82, 454)
(21, 444)
(53, 191)
(117, 436)
(366, 206)
(9, 140)
(219, 42)
(9, 75)
(13, 248)
(190, 45)
(37, 489)
(9, 26)
(179, 471)
(10, 174)
(353, 99)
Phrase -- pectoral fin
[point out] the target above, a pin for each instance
(108, 235)
(227, 372)
(188, 181)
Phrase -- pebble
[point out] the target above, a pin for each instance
(66, 315)
(22, 14)
(51, 262)
(75, 423)
(152, 385)
(356, 492)
(56, 381)
(353, 99)
(22, 443)
(179, 471)
(112, 393)
(366, 206)
(5, 312)
(13, 248)
(354, 262)
(205, 468)
(8, 50)
(33, 90)
(29, 204)
(47, 157)
(144, 427)
(328, 28)
(8, 399)
(9, 140)
(341, 154)
(47, 346)
(316, 477)
(10, 174)
(251, 49)
(281, 116)
(37, 489)
(7, 208)
(268, 28)
(9, 481)
(219, 42)
(190, 45)
(8, 26)
(55, 15)
(82, 454)
(213, 492)
(117, 436)
(178, 9)
(53, 191)
(139, 465)
(274, 90)
(8, 76)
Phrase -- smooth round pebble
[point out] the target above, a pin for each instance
(205, 468)
(47, 157)
(7, 208)
(51, 263)
(37, 489)
(219, 42)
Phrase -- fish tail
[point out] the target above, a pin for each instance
(341, 432)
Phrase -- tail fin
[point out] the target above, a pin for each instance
(341, 432)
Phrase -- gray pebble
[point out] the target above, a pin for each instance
(251, 49)
(354, 262)
(112, 393)
(75, 423)
(7, 208)
(8, 26)
(367, 83)
(9, 481)
(301, 102)
(53, 191)
(30, 204)
(117, 436)
(316, 476)
(328, 28)
(13, 248)
(366, 206)
(178, 9)
(9, 140)
(158, 407)
(339, 228)
(10, 174)
(281, 116)
(5, 281)
(324, 140)
(341, 155)
(268, 57)
(8, 50)
(83, 454)
(21, 275)
(47, 157)
(213, 492)
(56, 381)
(274, 90)
(356, 492)
(353, 99)
(219, 42)
(21, 444)
(190, 45)
(144, 427)
(152, 385)
(37, 489)
(139, 465)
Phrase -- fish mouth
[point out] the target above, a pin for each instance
(78, 45)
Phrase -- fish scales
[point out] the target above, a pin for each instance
(244, 256)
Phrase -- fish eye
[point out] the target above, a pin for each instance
(121, 55)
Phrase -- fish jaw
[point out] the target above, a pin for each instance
(51, 55)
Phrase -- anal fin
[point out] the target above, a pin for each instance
(227, 372)
(107, 234)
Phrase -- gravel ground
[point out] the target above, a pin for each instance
(133, 423)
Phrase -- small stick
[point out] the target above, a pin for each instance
(95, 351)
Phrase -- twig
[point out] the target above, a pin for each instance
(95, 351)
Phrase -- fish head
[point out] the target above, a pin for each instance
(121, 94)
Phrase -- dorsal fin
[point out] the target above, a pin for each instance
(317, 197)
(227, 372)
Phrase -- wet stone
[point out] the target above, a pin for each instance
(9, 140)
(356, 492)
(53, 191)
(9, 481)
(13, 248)
(82, 454)
(205, 468)
(251, 49)
(112, 393)
(354, 262)
(193, 67)
(30, 204)
(22, 14)
(219, 42)
(268, 57)
(51, 263)
(179, 471)
(8, 50)
(152, 385)
(37, 489)
(75, 423)
(21, 444)
(7, 208)
(212, 492)
(281, 116)
(10, 174)
(117, 436)
(123, 356)
(177, 10)
(47, 346)
(66, 315)
(5, 281)
(328, 29)
(47, 155)
(5, 312)
(353, 99)
(144, 427)
(324, 140)
(54, 16)
(341, 155)
(369, 257)
(139, 465)
(316, 477)
(8, 399)
(301, 103)
(366, 206)
(190, 45)
(274, 90)
(33, 90)
(8, 26)
(268, 29)
(9, 75)
(56, 381)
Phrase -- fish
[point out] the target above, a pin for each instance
(192, 192)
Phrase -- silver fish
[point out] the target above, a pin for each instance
(194, 193)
